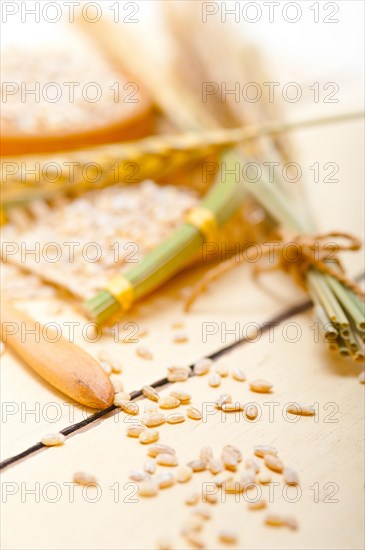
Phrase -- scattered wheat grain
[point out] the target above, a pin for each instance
(251, 412)
(184, 474)
(148, 436)
(262, 450)
(214, 380)
(49, 440)
(290, 476)
(192, 499)
(153, 419)
(264, 478)
(202, 366)
(150, 393)
(144, 353)
(227, 536)
(197, 465)
(168, 402)
(238, 374)
(160, 448)
(274, 463)
(165, 479)
(194, 413)
(301, 409)
(183, 397)
(206, 454)
(135, 429)
(148, 488)
(232, 407)
(223, 399)
(150, 466)
(167, 460)
(138, 475)
(257, 504)
(215, 466)
(261, 386)
(83, 478)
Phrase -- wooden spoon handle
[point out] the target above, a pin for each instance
(62, 364)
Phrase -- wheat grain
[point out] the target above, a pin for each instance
(233, 487)
(275, 520)
(148, 436)
(251, 464)
(194, 539)
(301, 409)
(228, 536)
(148, 488)
(197, 465)
(215, 466)
(290, 476)
(150, 466)
(159, 448)
(223, 478)
(178, 374)
(150, 393)
(194, 413)
(202, 366)
(238, 374)
(184, 474)
(144, 353)
(135, 429)
(182, 396)
(180, 338)
(138, 475)
(251, 412)
(153, 419)
(274, 463)
(232, 407)
(229, 460)
(166, 459)
(117, 384)
(234, 450)
(121, 398)
(168, 402)
(116, 366)
(192, 499)
(206, 454)
(223, 399)
(264, 478)
(49, 440)
(165, 479)
(262, 450)
(260, 386)
(222, 369)
(203, 512)
(258, 504)
(175, 418)
(83, 478)
(214, 380)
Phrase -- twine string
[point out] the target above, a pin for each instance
(318, 251)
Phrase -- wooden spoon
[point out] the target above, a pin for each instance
(62, 364)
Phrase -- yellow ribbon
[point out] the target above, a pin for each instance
(204, 220)
(122, 290)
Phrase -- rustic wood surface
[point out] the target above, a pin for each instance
(326, 451)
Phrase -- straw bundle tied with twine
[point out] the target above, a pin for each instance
(338, 301)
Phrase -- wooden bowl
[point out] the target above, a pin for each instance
(122, 121)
